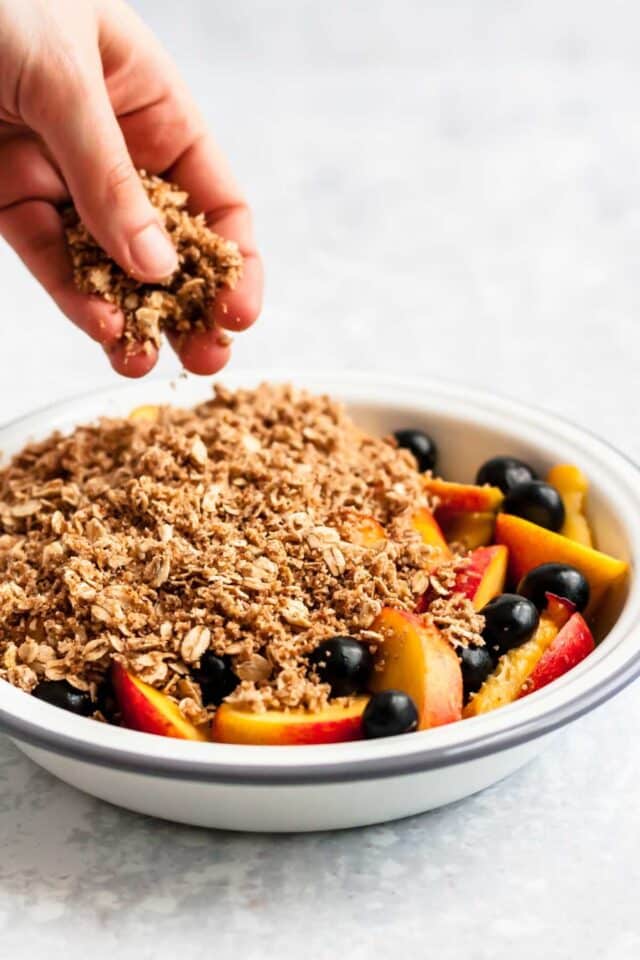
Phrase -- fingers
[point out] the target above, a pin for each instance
(27, 174)
(203, 352)
(204, 172)
(130, 362)
(74, 116)
(238, 309)
(82, 133)
(34, 229)
(31, 225)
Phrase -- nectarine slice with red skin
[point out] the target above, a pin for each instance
(149, 710)
(514, 667)
(573, 486)
(463, 497)
(337, 723)
(572, 644)
(530, 545)
(470, 528)
(424, 523)
(484, 577)
(415, 658)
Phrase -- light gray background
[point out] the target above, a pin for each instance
(442, 188)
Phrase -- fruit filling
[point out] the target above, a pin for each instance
(259, 570)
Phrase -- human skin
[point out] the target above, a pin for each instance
(87, 96)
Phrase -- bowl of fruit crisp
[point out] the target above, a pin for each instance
(270, 606)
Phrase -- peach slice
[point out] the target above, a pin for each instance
(147, 709)
(148, 412)
(514, 667)
(530, 545)
(424, 523)
(361, 529)
(472, 529)
(334, 724)
(484, 577)
(463, 497)
(414, 657)
(573, 486)
(573, 643)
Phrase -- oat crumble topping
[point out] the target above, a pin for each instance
(183, 302)
(228, 527)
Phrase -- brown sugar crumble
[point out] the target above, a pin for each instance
(229, 527)
(181, 303)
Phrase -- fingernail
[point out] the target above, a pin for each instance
(152, 253)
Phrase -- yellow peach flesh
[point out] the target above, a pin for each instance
(573, 486)
(415, 658)
(470, 528)
(530, 545)
(334, 724)
(484, 577)
(457, 497)
(147, 412)
(505, 683)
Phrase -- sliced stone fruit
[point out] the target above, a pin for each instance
(361, 529)
(147, 412)
(573, 486)
(470, 528)
(457, 497)
(414, 658)
(514, 667)
(146, 709)
(484, 577)
(530, 546)
(424, 523)
(573, 643)
(335, 723)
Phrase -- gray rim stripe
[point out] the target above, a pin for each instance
(335, 772)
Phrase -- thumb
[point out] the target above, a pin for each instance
(83, 135)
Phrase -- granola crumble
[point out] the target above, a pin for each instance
(183, 301)
(229, 527)
(457, 620)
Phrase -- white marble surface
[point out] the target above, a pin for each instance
(442, 188)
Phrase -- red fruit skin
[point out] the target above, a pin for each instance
(573, 643)
(148, 710)
(484, 578)
(423, 603)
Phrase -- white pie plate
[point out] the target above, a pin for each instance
(351, 784)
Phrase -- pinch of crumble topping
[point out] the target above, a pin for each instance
(182, 302)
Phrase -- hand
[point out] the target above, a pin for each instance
(87, 95)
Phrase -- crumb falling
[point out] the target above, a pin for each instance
(180, 304)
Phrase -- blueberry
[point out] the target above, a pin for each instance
(537, 502)
(216, 678)
(344, 663)
(559, 579)
(106, 701)
(421, 446)
(388, 714)
(477, 664)
(510, 620)
(59, 693)
(505, 473)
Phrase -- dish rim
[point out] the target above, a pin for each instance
(361, 760)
